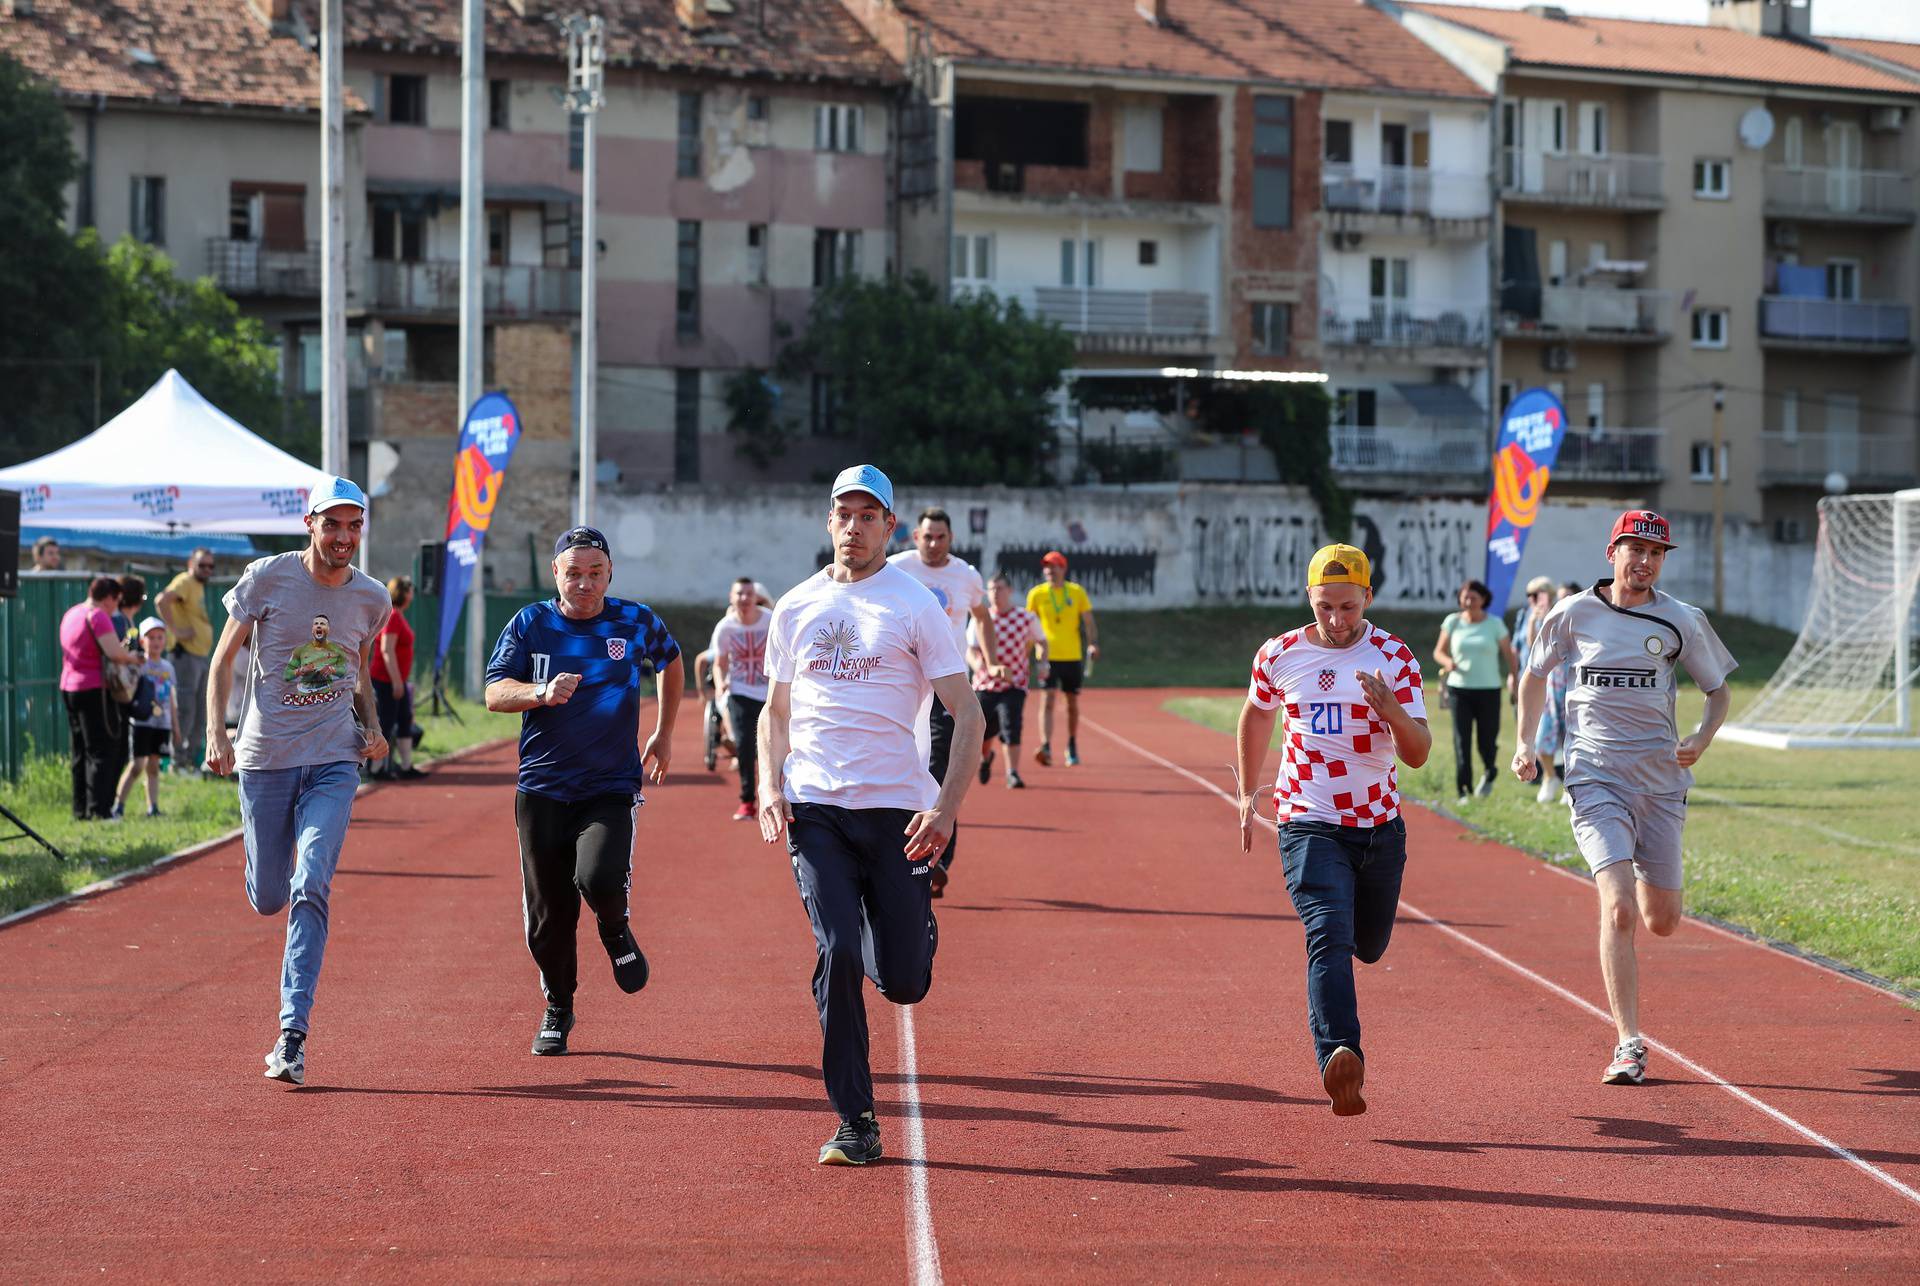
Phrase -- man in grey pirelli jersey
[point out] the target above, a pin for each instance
(1628, 769)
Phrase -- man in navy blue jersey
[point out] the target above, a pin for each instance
(573, 665)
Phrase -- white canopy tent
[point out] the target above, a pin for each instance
(172, 461)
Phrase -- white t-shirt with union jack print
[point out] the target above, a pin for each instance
(1337, 764)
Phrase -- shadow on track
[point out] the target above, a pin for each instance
(1629, 1137)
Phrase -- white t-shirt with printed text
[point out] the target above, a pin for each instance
(1337, 764)
(861, 660)
(955, 583)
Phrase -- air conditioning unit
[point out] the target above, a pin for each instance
(1557, 357)
(1886, 120)
(1786, 236)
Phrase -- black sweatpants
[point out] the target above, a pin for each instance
(93, 724)
(744, 714)
(1476, 721)
(872, 914)
(940, 728)
(570, 851)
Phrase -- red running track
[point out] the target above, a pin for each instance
(1114, 1079)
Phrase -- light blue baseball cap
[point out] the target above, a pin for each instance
(864, 477)
(336, 491)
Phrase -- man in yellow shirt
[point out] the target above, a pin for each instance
(183, 606)
(1066, 614)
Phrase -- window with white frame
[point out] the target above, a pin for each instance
(1145, 127)
(1793, 143)
(973, 259)
(1700, 461)
(1272, 328)
(148, 220)
(1596, 405)
(1356, 408)
(1149, 253)
(1556, 262)
(1712, 178)
(1080, 263)
(1338, 147)
(1843, 279)
(838, 127)
(1709, 328)
(1592, 139)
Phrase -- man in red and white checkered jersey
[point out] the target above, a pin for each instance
(1353, 703)
(1002, 687)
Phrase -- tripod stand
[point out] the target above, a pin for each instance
(25, 831)
(439, 703)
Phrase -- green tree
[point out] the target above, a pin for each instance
(933, 391)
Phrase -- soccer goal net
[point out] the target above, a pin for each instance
(1849, 680)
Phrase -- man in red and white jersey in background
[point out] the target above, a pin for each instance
(1353, 703)
(1002, 688)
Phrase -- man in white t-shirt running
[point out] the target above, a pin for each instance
(1628, 769)
(1353, 702)
(852, 651)
(963, 597)
(739, 650)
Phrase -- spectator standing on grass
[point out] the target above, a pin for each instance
(1353, 701)
(739, 648)
(962, 596)
(183, 606)
(1073, 644)
(311, 619)
(392, 669)
(1472, 645)
(46, 556)
(852, 652)
(133, 594)
(572, 668)
(1002, 688)
(1628, 769)
(153, 729)
(88, 643)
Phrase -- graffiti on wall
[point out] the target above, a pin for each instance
(1417, 558)
(1116, 572)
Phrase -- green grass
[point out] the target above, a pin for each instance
(192, 810)
(1816, 848)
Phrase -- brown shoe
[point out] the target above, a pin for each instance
(1343, 1075)
(1044, 756)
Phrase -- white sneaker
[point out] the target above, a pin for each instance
(1629, 1065)
(1549, 789)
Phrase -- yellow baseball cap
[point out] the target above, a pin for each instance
(1340, 565)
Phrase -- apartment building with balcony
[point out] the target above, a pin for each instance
(197, 130)
(1684, 206)
(744, 153)
(1149, 176)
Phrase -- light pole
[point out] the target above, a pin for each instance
(586, 75)
(333, 245)
(473, 211)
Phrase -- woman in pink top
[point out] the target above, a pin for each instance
(87, 642)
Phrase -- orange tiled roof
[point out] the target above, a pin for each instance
(1666, 48)
(1334, 44)
(790, 39)
(1893, 51)
(210, 52)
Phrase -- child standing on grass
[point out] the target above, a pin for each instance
(152, 732)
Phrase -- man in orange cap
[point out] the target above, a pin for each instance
(1066, 614)
(1353, 703)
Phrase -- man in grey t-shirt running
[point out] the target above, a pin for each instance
(311, 621)
(1628, 770)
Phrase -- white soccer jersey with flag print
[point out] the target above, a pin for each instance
(1337, 764)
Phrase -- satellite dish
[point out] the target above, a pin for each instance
(1756, 128)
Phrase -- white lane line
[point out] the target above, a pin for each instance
(923, 1268)
(1806, 1132)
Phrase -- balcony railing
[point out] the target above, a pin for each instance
(254, 268)
(1610, 455)
(1450, 451)
(1403, 189)
(433, 286)
(1612, 179)
(1835, 321)
(1810, 457)
(1404, 323)
(1172, 314)
(1872, 194)
(1598, 312)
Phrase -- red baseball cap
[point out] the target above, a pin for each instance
(1641, 524)
(1055, 557)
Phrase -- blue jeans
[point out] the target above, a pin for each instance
(296, 821)
(1345, 882)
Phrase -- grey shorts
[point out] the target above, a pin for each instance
(1611, 825)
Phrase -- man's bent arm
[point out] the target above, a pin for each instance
(984, 624)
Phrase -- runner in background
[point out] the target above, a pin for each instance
(739, 649)
(1066, 614)
(1002, 688)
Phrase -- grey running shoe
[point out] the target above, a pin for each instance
(1343, 1076)
(855, 1143)
(287, 1060)
(1629, 1065)
(554, 1026)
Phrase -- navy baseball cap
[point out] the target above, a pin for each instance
(336, 491)
(864, 477)
(581, 538)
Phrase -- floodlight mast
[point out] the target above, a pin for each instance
(473, 201)
(586, 80)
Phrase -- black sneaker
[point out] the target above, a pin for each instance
(1073, 754)
(629, 966)
(554, 1026)
(854, 1143)
(986, 768)
(287, 1060)
(1014, 780)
